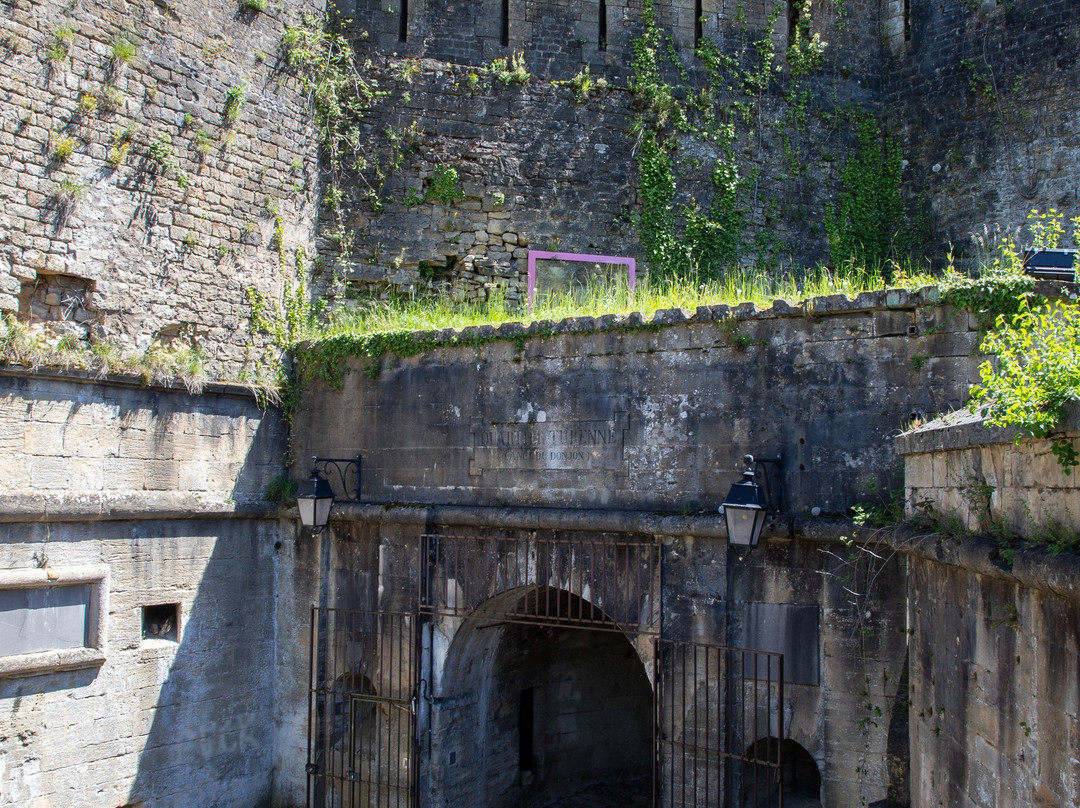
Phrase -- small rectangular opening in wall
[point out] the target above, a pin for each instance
(526, 729)
(161, 622)
(403, 21)
(699, 15)
(602, 35)
(504, 24)
(907, 20)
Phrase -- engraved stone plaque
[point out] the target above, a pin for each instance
(548, 445)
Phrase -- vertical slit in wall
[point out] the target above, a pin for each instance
(794, 15)
(526, 730)
(403, 22)
(602, 40)
(504, 27)
(907, 20)
(699, 13)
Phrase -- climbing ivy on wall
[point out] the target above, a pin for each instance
(712, 120)
(867, 225)
(679, 236)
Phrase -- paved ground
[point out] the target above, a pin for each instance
(638, 794)
(635, 793)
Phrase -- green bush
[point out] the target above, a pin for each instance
(1034, 372)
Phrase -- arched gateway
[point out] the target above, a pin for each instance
(533, 673)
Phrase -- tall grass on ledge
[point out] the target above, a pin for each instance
(609, 297)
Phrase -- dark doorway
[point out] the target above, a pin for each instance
(537, 715)
(799, 776)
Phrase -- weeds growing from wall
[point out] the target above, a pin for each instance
(159, 364)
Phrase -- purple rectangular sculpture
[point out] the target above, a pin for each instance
(629, 263)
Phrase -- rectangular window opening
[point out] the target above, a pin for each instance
(47, 618)
(699, 22)
(602, 36)
(504, 28)
(52, 620)
(794, 17)
(161, 622)
(907, 20)
(403, 21)
(526, 729)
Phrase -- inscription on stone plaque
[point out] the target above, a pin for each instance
(549, 445)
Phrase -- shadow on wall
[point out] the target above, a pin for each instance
(211, 726)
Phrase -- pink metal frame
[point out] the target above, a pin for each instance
(629, 263)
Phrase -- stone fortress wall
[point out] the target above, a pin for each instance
(124, 235)
(137, 209)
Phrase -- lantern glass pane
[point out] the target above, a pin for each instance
(306, 506)
(744, 524)
(322, 511)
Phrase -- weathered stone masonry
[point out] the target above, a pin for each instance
(165, 491)
(159, 214)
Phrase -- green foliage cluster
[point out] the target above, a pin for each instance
(510, 71)
(690, 239)
(235, 98)
(867, 227)
(60, 47)
(390, 327)
(1034, 373)
(583, 85)
(806, 51)
(325, 62)
(444, 186)
(997, 290)
(123, 51)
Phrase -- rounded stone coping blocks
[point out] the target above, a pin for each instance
(877, 300)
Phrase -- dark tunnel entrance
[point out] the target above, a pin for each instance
(539, 715)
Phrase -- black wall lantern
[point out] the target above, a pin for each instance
(746, 506)
(315, 495)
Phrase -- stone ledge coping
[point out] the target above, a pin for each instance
(881, 299)
(228, 389)
(1033, 567)
(824, 306)
(126, 506)
(50, 662)
(708, 526)
(964, 428)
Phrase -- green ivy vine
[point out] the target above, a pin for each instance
(688, 238)
(867, 226)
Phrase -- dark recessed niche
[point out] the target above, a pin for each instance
(161, 622)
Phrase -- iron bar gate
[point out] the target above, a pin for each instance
(718, 721)
(598, 585)
(362, 710)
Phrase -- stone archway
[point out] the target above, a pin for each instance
(799, 775)
(532, 714)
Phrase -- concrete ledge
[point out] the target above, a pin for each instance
(964, 428)
(710, 526)
(1033, 567)
(50, 662)
(126, 506)
(227, 389)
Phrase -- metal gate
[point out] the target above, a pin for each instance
(362, 710)
(718, 717)
(718, 721)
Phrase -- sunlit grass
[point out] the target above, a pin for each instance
(609, 297)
